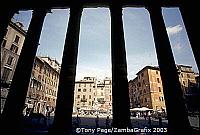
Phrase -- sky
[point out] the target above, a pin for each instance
(94, 56)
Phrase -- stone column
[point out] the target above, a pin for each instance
(176, 110)
(190, 21)
(64, 105)
(12, 113)
(5, 18)
(120, 92)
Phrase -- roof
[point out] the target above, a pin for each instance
(148, 67)
(16, 27)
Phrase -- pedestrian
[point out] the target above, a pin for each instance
(107, 122)
(97, 121)
(145, 115)
(149, 122)
(160, 121)
(29, 108)
(48, 111)
(78, 121)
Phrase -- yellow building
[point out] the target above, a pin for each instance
(146, 89)
(84, 93)
(93, 94)
(104, 94)
(43, 86)
(186, 77)
(10, 50)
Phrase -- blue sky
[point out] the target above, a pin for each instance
(94, 57)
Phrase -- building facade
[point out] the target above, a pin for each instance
(10, 50)
(84, 93)
(146, 89)
(190, 86)
(92, 94)
(42, 91)
(186, 78)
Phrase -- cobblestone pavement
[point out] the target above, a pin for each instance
(87, 125)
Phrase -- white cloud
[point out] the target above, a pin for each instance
(171, 30)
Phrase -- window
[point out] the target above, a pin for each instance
(78, 96)
(144, 91)
(14, 48)
(40, 69)
(10, 59)
(85, 85)
(142, 74)
(3, 44)
(156, 107)
(145, 100)
(158, 80)
(188, 75)
(143, 81)
(183, 83)
(156, 72)
(16, 39)
(139, 84)
(161, 98)
(6, 73)
(39, 77)
(84, 90)
(79, 90)
(159, 89)
(90, 96)
(83, 96)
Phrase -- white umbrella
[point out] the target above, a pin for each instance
(135, 109)
(145, 109)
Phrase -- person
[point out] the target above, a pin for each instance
(145, 115)
(29, 108)
(97, 121)
(160, 121)
(107, 122)
(48, 111)
(149, 122)
(78, 121)
(24, 109)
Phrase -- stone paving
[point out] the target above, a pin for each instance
(88, 123)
